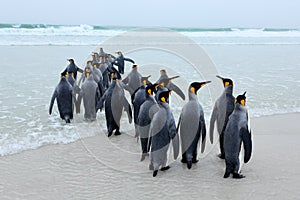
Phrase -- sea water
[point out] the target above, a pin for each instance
(263, 62)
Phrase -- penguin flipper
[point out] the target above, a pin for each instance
(176, 89)
(212, 124)
(175, 143)
(247, 142)
(175, 138)
(129, 60)
(127, 109)
(52, 102)
(203, 133)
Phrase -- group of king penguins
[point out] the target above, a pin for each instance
(101, 85)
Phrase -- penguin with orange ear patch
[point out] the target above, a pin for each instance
(222, 109)
(237, 132)
(192, 126)
(162, 130)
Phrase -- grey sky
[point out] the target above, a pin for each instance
(165, 13)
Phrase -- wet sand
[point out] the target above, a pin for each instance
(102, 168)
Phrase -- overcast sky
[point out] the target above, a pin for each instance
(163, 13)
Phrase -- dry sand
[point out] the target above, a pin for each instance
(101, 168)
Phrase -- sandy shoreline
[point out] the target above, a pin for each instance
(83, 169)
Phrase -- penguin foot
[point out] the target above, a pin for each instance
(226, 175)
(195, 161)
(189, 164)
(221, 156)
(183, 160)
(165, 168)
(155, 173)
(143, 157)
(109, 134)
(68, 121)
(151, 166)
(237, 176)
(118, 133)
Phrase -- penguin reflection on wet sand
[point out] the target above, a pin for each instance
(166, 82)
(115, 102)
(145, 116)
(223, 107)
(192, 126)
(63, 95)
(237, 132)
(162, 130)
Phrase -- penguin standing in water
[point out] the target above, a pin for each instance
(192, 125)
(145, 116)
(115, 102)
(90, 94)
(165, 81)
(63, 96)
(133, 80)
(223, 107)
(162, 130)
(72, 68)
(237, 132)
(120, 62)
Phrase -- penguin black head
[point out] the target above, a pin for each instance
(134, 66)
(195, 86)
(144, 80)
(226, 81)
(164, 96)
(71, 60)
(241, 99)
(89, 62)
(151, 88)
(162, 71)
(64, 74)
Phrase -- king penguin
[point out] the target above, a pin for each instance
(165, 81)
(137, 99)
(115, 102)
(63, 96)
(145, 116)
(120, 62)
(192, 125)
(162, 130)
(237, 132)
(133, 80)
(90, 94)
(223, 107)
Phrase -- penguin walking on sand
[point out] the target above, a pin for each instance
(133, 80)
(63, 95)
(162, 130)
(237, 132)
(115, 102)
(192, 125)
(120, 62)
(165, 81)
(138, 98)
(91, 95)
(223, 107)
(145, 116)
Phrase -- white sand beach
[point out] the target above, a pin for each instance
(77, 170)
